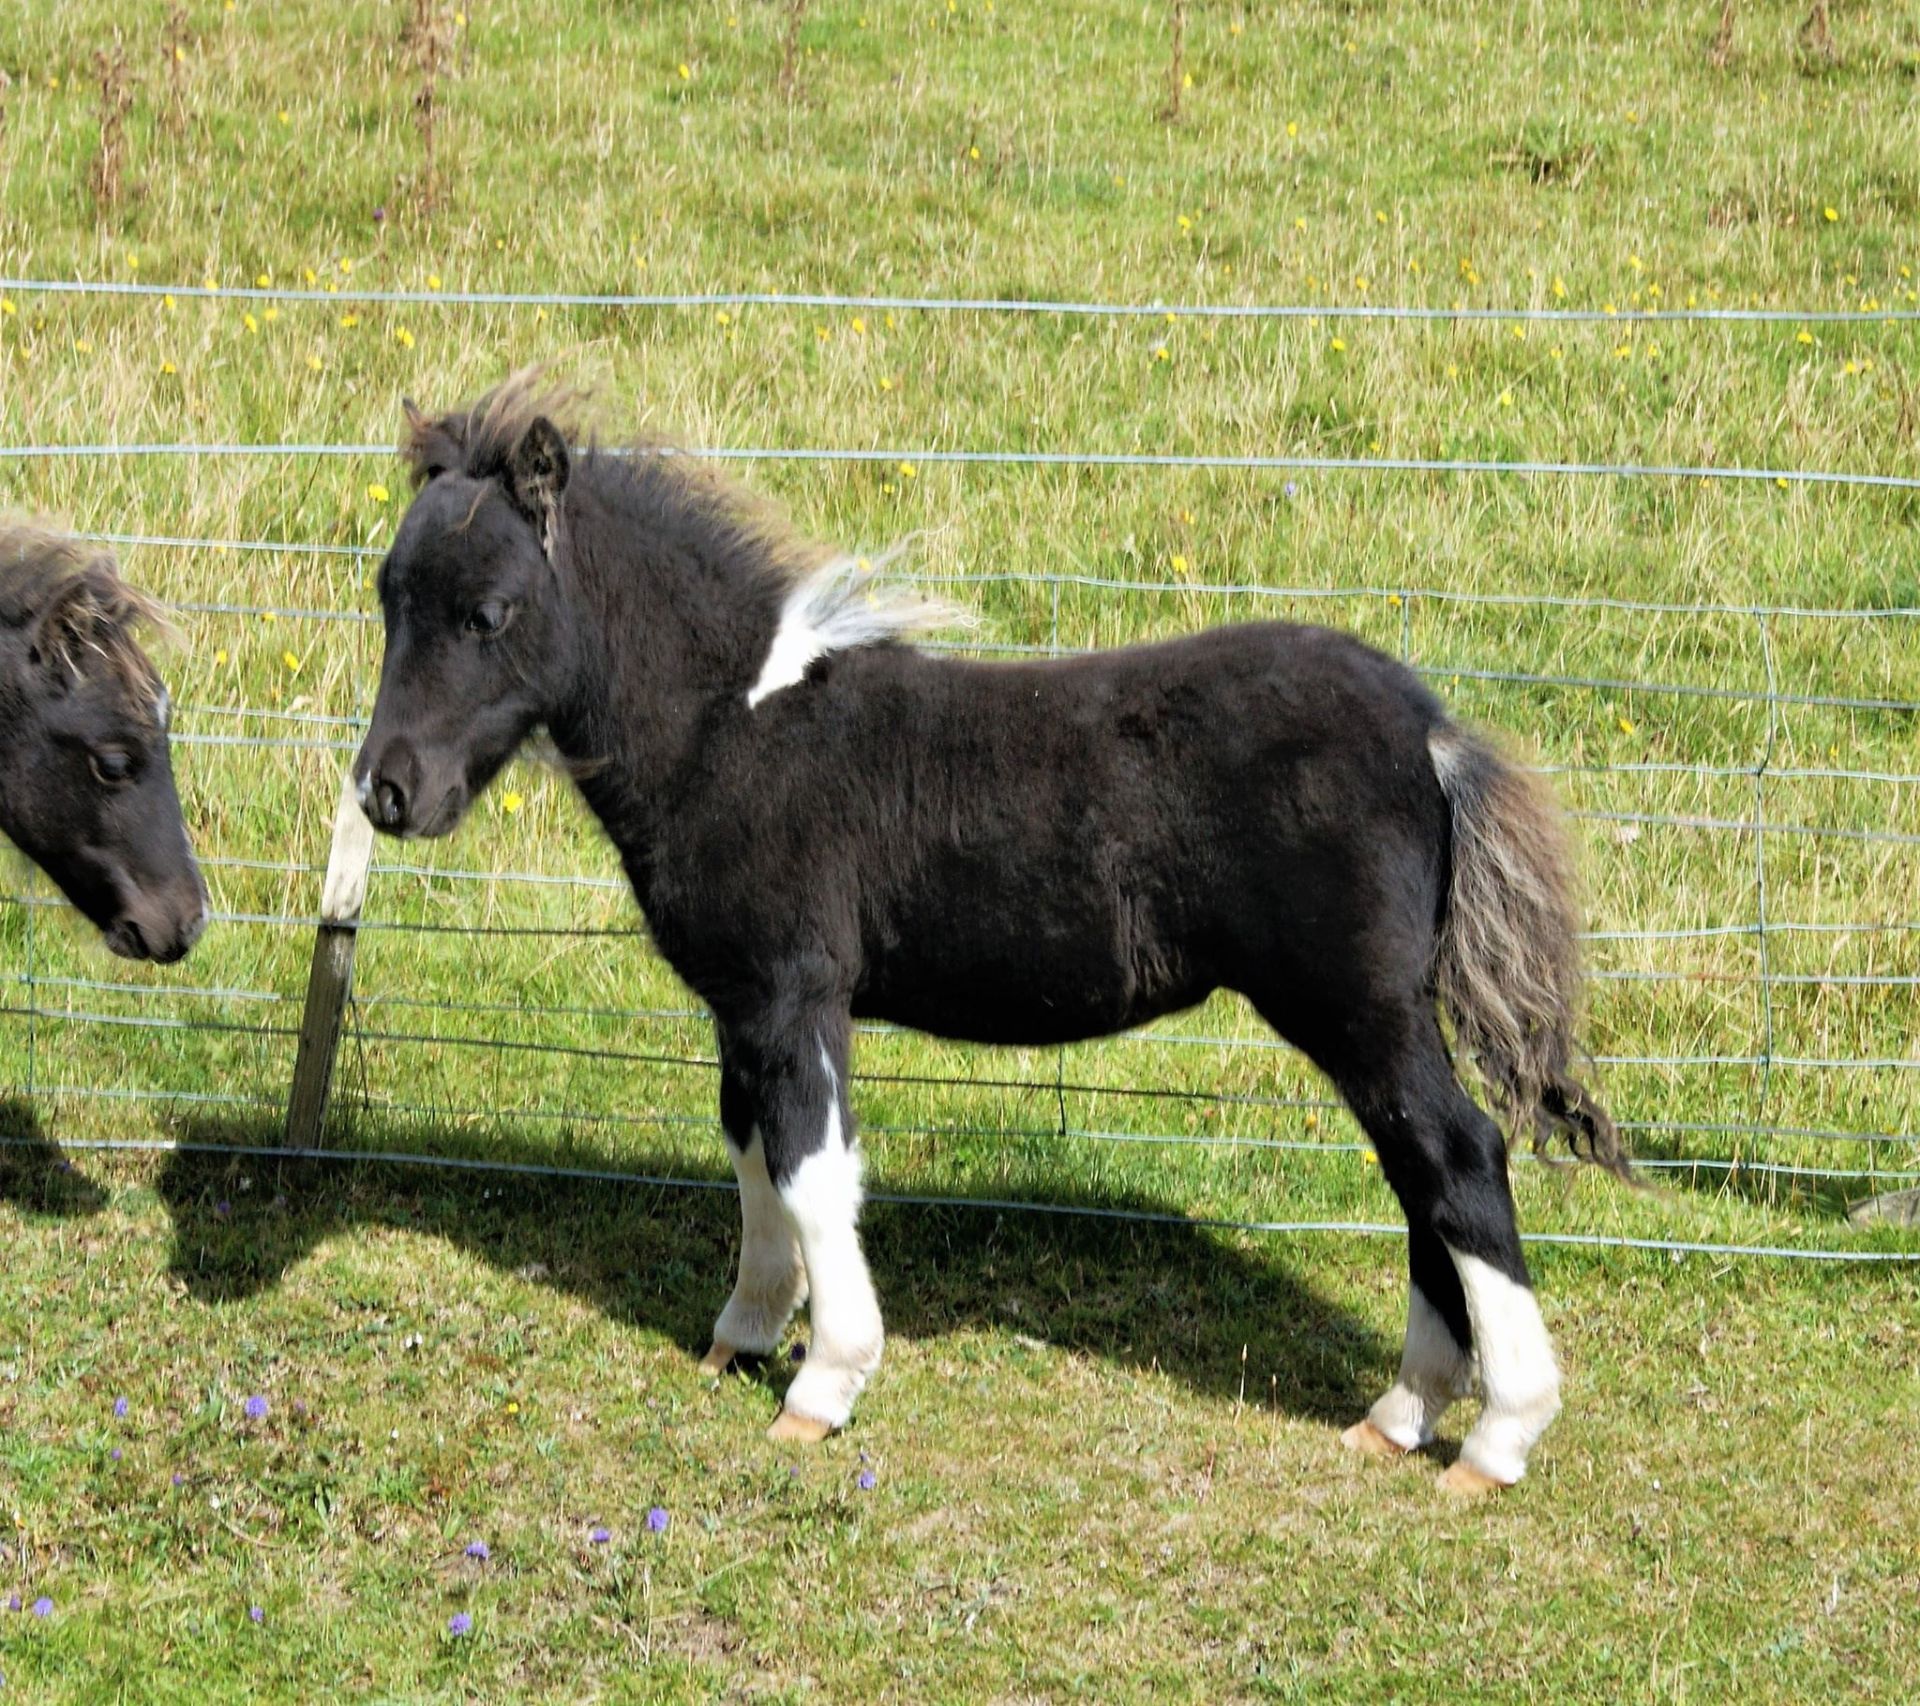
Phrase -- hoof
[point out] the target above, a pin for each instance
(719, 1359)
(808, 1430)
(1466, 1482)
(1369, 1441)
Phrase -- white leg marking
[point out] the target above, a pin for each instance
(1433, 1372)
(773, 1280)
(822, 1200)
(1520, 1383)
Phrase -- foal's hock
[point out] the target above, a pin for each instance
(822, 823)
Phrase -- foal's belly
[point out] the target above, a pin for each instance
(1029, 992)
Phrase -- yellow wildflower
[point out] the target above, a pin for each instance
(511, 803)
(377, 492)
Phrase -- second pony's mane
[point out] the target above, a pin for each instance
(826, 601)
(70, 593)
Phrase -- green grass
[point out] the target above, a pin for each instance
(1075, 1487)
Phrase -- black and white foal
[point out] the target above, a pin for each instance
(821, 823)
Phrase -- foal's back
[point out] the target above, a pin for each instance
(1044, 850)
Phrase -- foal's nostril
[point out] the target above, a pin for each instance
(390, 804)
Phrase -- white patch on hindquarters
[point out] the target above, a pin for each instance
(773, 1279)
(822, 1201)
(839, 606)
(1520, 1383)
(1434, 1371)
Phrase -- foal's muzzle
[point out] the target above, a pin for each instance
(398, 796)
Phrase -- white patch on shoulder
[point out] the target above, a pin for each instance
(839, 606)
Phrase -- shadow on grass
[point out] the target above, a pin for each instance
(35, 1175)
(661, 1258)
(1808, 1193)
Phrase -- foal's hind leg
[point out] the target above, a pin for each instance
(1436, 1365)
(1447, 1163)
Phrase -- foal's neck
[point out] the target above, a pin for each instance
(672, 620)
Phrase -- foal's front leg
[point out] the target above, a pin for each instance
(792, 1078)
(773, 1278)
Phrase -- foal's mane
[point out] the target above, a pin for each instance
(69, 591)
(837, 594)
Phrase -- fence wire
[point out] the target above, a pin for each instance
(1176, 1087)
(999, 306)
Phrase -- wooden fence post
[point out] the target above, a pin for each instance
(331, 979)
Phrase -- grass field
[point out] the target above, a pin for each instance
(1103, 1452)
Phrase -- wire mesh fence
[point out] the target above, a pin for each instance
(1754, 920)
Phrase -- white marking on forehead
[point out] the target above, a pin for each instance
(163, 708)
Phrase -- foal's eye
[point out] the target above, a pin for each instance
(110, 766)
(489, 618)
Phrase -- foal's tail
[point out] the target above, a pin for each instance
(1508, 967)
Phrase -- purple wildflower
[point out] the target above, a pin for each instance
(179, 1480)
(379, 216)
(478, 1549)
(42, 1607)
(13, 1602)
(599, 1536)
(119, 1408)
(115, 1454)
(256, 1407)
(459, 1624)
(223, 1208)
(867, 1481)
(657, 1520)
(255, 1614)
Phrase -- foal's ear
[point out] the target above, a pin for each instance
(430, 448)
(70, 623)
(536, 474)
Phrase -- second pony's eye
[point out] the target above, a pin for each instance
(110, 766)
(489, 618)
